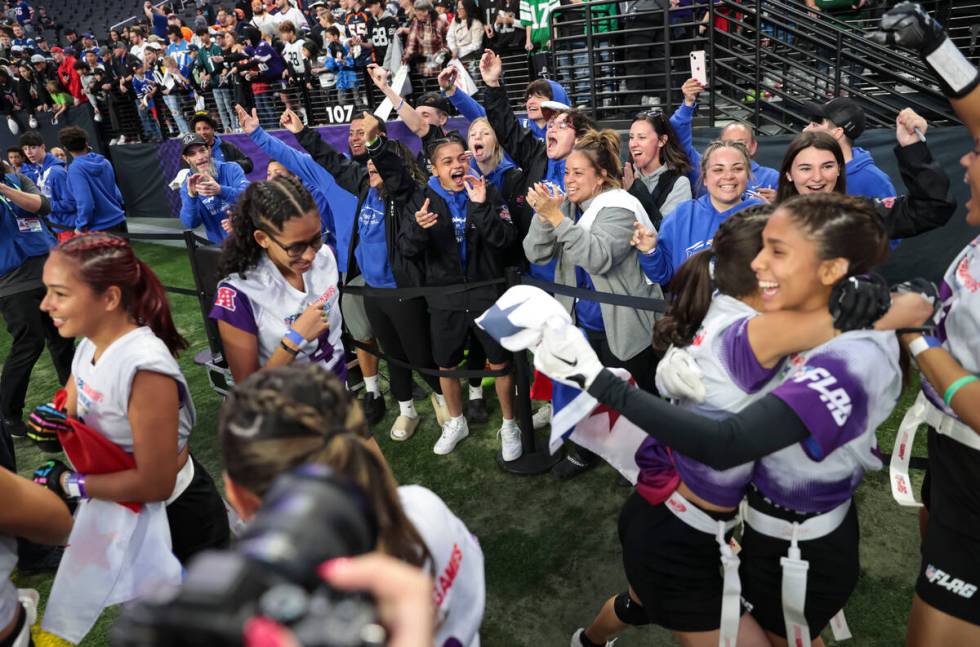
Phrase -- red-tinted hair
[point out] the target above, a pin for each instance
(105, 260)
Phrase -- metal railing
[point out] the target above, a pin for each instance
(767, 59)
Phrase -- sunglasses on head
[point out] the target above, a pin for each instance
(653, 113)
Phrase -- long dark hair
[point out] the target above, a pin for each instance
(285, 416)
(815, 139)
(736, 242)
(472, 12)
(105, 260)
(672, 154)
(263, 204)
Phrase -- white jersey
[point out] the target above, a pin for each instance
(294, 16)
(264, 304)
(460, 591)
(841, 390)
(8, 592)
(104, 388)
(293, 53)
(733, 379)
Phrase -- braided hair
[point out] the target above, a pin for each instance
(105, 260)
(285, 416)
(263, 205)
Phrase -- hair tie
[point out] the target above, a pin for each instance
(711, 266)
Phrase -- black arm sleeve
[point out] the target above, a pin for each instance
(234, 154)
(349, 175)
(763, 427)
(518, 141)
(928, 204)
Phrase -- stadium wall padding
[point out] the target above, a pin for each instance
(143, 171)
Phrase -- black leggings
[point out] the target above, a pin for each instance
(402, 329)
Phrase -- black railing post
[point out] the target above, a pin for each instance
(757, 111)
(591, 51)
(668, 79)
(534, 459)
(712, 80)
(839, 55)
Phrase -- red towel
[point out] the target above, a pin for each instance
(90, 452)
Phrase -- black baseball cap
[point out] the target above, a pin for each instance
(843, 112)
(191, 139)
(435, 100)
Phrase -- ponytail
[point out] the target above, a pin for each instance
(105, 260)
(726, 267)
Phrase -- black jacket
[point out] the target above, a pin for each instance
(234, 154)
(652, 201)
(353, 178)
(490, 234)
(927, 205)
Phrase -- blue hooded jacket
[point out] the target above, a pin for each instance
(496, 176)
(99, 204)
(22, 234)
(557, 94)
(685, 231)
(211, 210)
(866, 179)
(336, 205)
(372, 245)
(457, 202)
(52, 180)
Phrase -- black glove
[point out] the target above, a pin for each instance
(928, 290)
(43, 426)
(49, 475)
(857, 302)
(908, 25)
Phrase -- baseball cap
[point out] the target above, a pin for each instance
(435, 100)
(842, 111)
(549, 108)
(37, 58)
(191, 139)
(57, 50)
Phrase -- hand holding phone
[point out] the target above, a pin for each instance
(699, 68)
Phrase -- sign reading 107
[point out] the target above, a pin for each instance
(340, 114)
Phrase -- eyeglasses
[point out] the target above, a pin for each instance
(296, 250)
(559, 125)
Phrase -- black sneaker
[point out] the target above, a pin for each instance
(418, 393)
(374, 407)
(476, 411)
(570, 467)
(16, 428)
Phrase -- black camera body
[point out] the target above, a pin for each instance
(310, 515)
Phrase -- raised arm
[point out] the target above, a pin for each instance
(415, 123)
(348, 175)
(519, 142)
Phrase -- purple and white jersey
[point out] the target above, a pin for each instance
(959, 324)
(265, 305)
(733, 379)
(841, 390)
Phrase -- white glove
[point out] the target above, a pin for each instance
(678, 376)
(565, 355)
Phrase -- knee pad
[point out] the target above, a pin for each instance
(630, 611)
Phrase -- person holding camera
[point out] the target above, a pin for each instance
(279, 301)
(286, 416)
(209, 194)
(138, 414)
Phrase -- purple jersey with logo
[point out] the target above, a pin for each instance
(733, 379)
(841, 390)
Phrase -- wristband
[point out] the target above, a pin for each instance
(291, 351)
(956, 386)
(75, 486)
(921, 344)
(400, 104)
(293, 336)
(956, 73)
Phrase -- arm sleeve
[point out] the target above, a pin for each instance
(348, 175)
(540, 243)
(467, 106)
(519, 143)
(62, 201)
(927, 205)
(476, 39)
(235, 154)
(601, 248)
(83, 201)
(27, 185)
(493, 220)
(300, 164)
(681, 192)
(234, 308)
(237, 183)
(657, 265)
(682, 120)
(764, 427)
(189, 216)
(398, 181)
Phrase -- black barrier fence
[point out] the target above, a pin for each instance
(535, 459)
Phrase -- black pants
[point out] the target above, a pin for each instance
(120, 228)
(198, 520)
(29, 328)
(402, 329)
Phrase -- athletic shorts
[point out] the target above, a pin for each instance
(831, 578)
(950, 572)
(198, 519)
(451, 330)
(674, 569)
(355, 318)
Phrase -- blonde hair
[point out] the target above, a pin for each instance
(498, 151)
(719, 144)
(601, 147)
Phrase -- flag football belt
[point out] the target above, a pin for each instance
(794, 567)
(923, 411)
(698, 519)
(184, 477)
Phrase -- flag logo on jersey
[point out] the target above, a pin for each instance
(226, 298)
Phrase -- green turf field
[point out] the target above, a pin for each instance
(552, 554)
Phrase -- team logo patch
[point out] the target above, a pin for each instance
(952, 584)
(887, 203)
(834, 396)
(226, 298)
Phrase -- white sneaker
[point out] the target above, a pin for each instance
(577, 642)
(510, 442)
(453, 431)
(542, 417)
